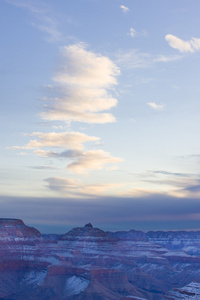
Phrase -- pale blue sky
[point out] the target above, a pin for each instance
(100, 101)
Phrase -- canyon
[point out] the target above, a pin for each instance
(89, 263)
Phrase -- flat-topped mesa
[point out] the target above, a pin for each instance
(11, 222)
(15, 228)
(88, 231)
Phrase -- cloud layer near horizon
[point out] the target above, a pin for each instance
(155, 212)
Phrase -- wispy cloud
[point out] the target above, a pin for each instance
(156, 106)
(74, 187)
(193, 188)
(40, 12)
(133, 59)
(83, 82)
(71, 139)
(124, 8)
(191, 156)
(132, 32)
(83, 160)
(173, 183)
(162, 172)
(53, 154)
(190, 46)
(41, 168)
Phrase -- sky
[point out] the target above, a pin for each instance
(100, 104)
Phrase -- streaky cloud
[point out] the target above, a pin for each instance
(171, 173)
(45, 22)
(71, 139)
(83, 160)
(133, 59)
(76, 188)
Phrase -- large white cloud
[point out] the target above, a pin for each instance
(87, 69)
(71, 139)
(82, 82)
(191, 46)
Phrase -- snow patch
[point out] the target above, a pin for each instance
(75, 285)
(34, 278)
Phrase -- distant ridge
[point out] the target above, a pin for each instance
(87, 231)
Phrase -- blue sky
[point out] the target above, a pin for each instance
(100, 113)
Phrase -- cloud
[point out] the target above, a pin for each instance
(72, 140)
(82, 82)
(62, 184)
(77, 188)
(84, 68)
(80, 93)
(132, 32)
(193, 188)
(49, 26)
(133, 59)
(156, 106)
(65, 154)
(180, 185)
(125, 9)
(164, 58)
(162, 172)
(191, 46)
(93, 159)
(44, 22)
(83, 160)
(41, 168)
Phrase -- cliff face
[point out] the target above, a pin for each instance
(88, 263)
